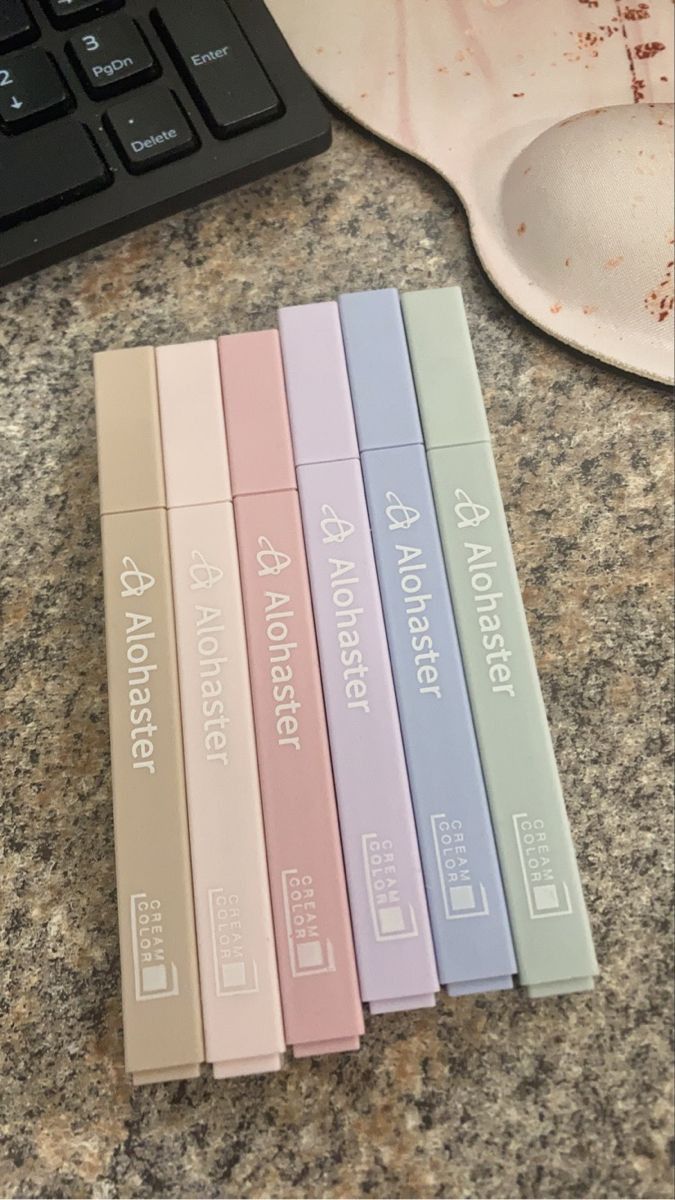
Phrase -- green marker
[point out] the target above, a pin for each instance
(548, 916)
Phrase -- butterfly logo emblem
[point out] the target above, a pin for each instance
(468, 513)
(398, 514)
(133, 581)
(269, 560)
(202, 574)
(332, 527)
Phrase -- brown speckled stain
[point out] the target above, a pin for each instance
(485, 1097)
(648, 49)
(659, 302)
(638, 12)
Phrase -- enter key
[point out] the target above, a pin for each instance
(217, 63)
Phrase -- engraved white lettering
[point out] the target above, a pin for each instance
(354, 670)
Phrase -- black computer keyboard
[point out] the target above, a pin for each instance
(114, 113)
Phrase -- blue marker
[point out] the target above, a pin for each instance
(469, 920)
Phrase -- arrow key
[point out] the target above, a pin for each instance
(32, 90)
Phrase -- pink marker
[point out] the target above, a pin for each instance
(239, 987)
(317, 970)
(391, 922)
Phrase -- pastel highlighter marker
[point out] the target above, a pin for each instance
(546, 906)
(241, 1007)
(469, 920)
(391, 923)
(315, 951)
(160, 982)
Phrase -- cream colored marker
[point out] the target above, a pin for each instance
(241, 1006)
(160, 983)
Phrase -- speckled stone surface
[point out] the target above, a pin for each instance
(489, 1097)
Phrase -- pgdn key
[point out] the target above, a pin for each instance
(112, 56)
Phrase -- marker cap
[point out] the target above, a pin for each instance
(193, 427)
(443, 362)
(317, 383)
(256, 416)
(130, 472)
(383, 392)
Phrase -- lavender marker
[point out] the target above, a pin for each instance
(394, 948)
(469, 920)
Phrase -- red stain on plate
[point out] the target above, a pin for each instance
(659, 302)
(637, 12)
(648, 49)
(589, 41)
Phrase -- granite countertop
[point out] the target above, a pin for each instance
(484, 1097)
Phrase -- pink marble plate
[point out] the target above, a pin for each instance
(553, 121)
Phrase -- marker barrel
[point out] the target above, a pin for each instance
(391, 923)
(469, 920)
(548, 916)
(317, 968)
(241, 1005)
(160, 984)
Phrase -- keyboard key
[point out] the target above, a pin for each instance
(65, 13)
(44, 170)
(16, 26)
(150, 129)
(32, 90)
(112, 56)
(217, 63)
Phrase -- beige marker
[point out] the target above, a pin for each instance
(160, 982)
